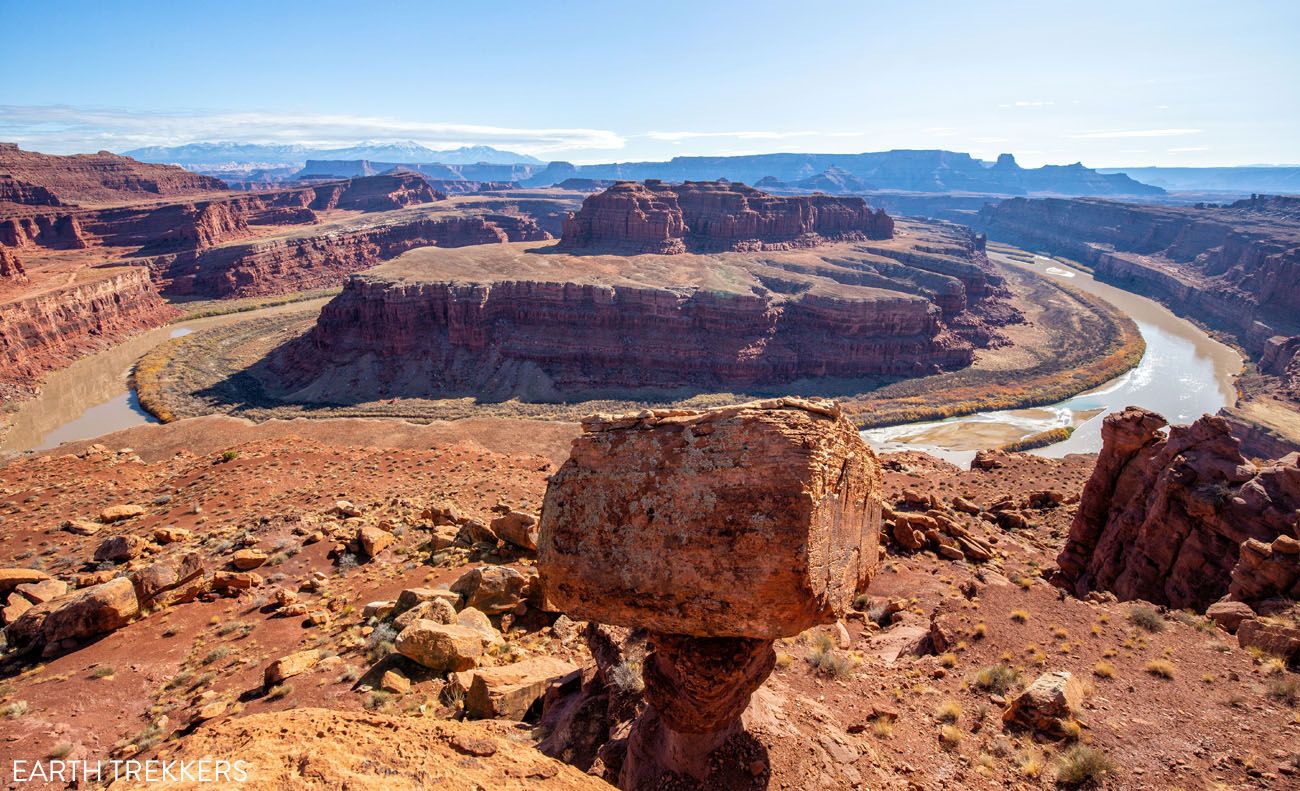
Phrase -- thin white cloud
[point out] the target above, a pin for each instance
(1185, 149)
(1123, 133)
(1027, 103)
(63, 128)
(674, 137)
(990, 140)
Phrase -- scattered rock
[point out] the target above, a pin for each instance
(118, 513)
(1229, 614)
(395, 682)
(494, 589)
(1049, 705)
(118, 549)
(248, 559)
(373, 540)
(289, 666)
(517, 528)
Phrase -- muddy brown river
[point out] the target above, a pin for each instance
(91, 397)
(1183, 374)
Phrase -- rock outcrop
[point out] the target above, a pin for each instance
(11, 269)
(98, 177)
(654, 217)
(770, 513)
(1183, 520)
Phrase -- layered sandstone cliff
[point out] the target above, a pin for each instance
(531, 321)
(1235, 267)
(654, 217)
(259, 268)
(46, 330)
(1182, 519)
(98, 178)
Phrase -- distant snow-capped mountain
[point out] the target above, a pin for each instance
(208, 155)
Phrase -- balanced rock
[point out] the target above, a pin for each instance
(759, 520)
(717, 532)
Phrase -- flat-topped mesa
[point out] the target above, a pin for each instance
(770, 514)
(703, 216)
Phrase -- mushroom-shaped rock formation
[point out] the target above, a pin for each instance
(717, 531)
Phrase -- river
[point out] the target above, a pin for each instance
(92, 396)
(1183, 374)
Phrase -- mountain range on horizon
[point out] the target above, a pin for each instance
(214, 155)
(910, 170)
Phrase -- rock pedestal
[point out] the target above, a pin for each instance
(717, 532)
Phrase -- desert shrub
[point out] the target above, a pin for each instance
(948, 711)
(829, 662)
(1285, 689)
(229, 455)
(1103, 669)
(103, 671)
(626, 678)
(14, 710)
(1160, 668)
(1082, 764)
(279, 691)
(1148, 618)
(999, 678)
(949, 737)
(380, 642)
(1020, 616)
(215, 655)
(59, 750)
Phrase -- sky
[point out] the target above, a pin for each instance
(1186, 83)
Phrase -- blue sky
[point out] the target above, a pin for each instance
(1106, 83)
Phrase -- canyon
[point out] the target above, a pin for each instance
(1234, 268)
(544, 320)
(92, 246)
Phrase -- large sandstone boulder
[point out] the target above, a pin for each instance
(494, 589)
(751, 521)
(89, 612)
(440, 646)
(516, 528)
(1165, 519)
(170, 580)
(508, 691)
